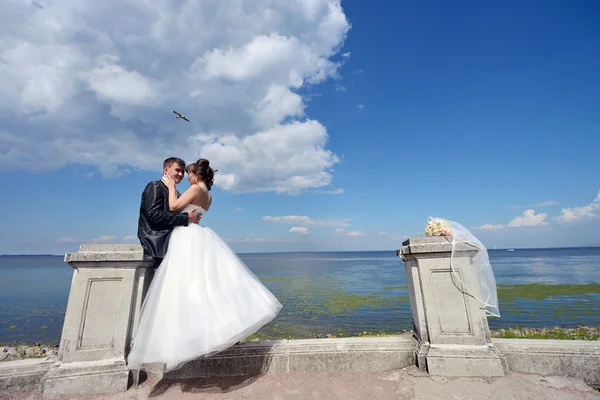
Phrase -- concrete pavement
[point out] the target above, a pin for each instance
(406, 384)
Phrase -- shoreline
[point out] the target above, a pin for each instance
(21, 351)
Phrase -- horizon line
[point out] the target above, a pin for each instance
(319, 251)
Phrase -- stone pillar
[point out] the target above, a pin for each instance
(108, 285)
(449, 323)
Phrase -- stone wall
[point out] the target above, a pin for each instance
(451, 338)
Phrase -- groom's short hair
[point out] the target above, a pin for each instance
(172, 160)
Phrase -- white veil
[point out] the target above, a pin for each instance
(487, 281)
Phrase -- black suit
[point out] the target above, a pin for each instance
(156, 221)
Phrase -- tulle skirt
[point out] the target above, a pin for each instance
(202, 300)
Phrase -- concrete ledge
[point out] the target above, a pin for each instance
(463, 360)
(311, 355)
(567, 358)
(431, 245)
(108, 256)
(90, 377)
(22, 376)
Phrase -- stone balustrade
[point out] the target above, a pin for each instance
(107, 289)
(449, 322)
(451, 331)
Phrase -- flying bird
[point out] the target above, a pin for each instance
(180, 116)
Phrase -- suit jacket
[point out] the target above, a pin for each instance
(156, 221)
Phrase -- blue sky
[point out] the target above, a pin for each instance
(333, 126)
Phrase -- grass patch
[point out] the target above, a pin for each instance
(320, 334)
(579, 333)
(288, 332)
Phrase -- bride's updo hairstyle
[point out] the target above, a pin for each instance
(203, 170)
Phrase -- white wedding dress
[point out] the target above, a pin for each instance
(202, 300)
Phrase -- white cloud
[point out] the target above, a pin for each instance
(105, 239)
(529, 218)
(355, 233)
(400, 237)
(299, 229)
(69, 239)
(260, 240)
(279, 102)
(101, 239)
(382, 233)
(537, 205)
(491, 227)
(336, 191)
(350, 233)
(94, 83)
(286, 159)
(304, 220)
(238, 209)
(115, 84)
(360, 106)
(575, 214)
(130, 237)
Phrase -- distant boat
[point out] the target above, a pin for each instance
(510, 250)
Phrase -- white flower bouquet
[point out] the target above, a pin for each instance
(438, 227)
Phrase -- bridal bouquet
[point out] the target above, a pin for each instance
(438, 227)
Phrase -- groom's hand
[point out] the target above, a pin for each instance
(193, 217)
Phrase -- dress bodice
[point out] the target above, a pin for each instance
(192, 206)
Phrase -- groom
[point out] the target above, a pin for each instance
(156, 221)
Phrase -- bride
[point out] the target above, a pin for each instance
(203, 298)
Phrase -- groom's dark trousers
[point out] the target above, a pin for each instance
(156, 222)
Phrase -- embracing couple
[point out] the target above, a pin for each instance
(203, 298)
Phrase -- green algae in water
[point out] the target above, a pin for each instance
(275, 279)
(550, 302)
(390, 288)
(340, 301)
(316, 307)
(538, 291)
(313, 307)
(325, 297)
